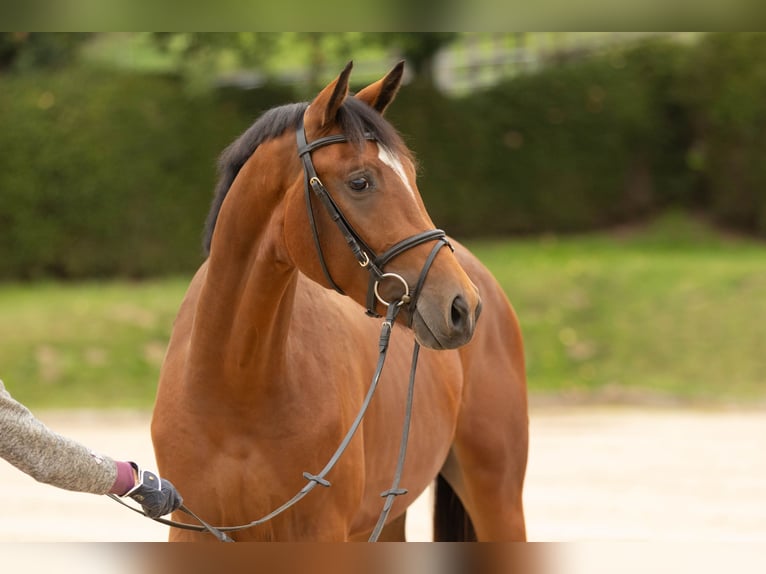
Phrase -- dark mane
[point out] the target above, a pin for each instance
(355, 118)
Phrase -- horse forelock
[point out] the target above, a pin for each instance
(355, 119)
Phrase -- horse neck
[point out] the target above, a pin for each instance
(245, 303)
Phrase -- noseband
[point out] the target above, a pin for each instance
(363, 253)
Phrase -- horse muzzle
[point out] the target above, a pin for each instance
(446, 326)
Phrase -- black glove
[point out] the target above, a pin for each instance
(156, 495)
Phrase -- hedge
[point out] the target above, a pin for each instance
(723, 88)
(105, 173)
(600, 141)
(582, 145)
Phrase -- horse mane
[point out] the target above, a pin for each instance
(355, 119)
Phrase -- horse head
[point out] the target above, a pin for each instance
(355, 220)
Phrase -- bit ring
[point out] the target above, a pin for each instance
(402, 299)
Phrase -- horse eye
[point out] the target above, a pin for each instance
(359, 184)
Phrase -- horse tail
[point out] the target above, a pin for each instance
(451, 521)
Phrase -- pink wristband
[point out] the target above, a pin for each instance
(125, 479)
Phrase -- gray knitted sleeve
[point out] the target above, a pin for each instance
(48, 457)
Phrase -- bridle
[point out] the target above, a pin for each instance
(363, 253)
(374, 264)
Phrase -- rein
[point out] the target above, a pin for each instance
(312, 480)
(374, 264)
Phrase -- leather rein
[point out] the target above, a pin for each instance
(374, 264)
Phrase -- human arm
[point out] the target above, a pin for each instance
(49, 457)
(53, 459)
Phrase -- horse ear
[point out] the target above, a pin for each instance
(382, 92)
(323, 110)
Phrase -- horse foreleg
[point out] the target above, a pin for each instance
(487, 464)
(492, 496)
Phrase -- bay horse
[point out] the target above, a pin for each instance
(271, 354)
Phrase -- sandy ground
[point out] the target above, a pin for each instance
(595, 474)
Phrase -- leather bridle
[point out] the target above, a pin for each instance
(363, 253)
(374, 264)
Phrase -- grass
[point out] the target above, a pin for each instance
(86, 344)
(668, 311)
(671, 310)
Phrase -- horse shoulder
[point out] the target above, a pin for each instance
(330, 335)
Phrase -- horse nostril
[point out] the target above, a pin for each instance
(460, 313)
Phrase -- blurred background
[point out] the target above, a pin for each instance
(615, 183)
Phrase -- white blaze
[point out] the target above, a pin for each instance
(389, 158)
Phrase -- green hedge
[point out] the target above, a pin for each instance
(724, 89)
(600, 141)
(578, 146)
(106, 173)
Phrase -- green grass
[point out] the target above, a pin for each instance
(86, 344)
(671, 309)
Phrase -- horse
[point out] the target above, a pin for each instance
(271, 352)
